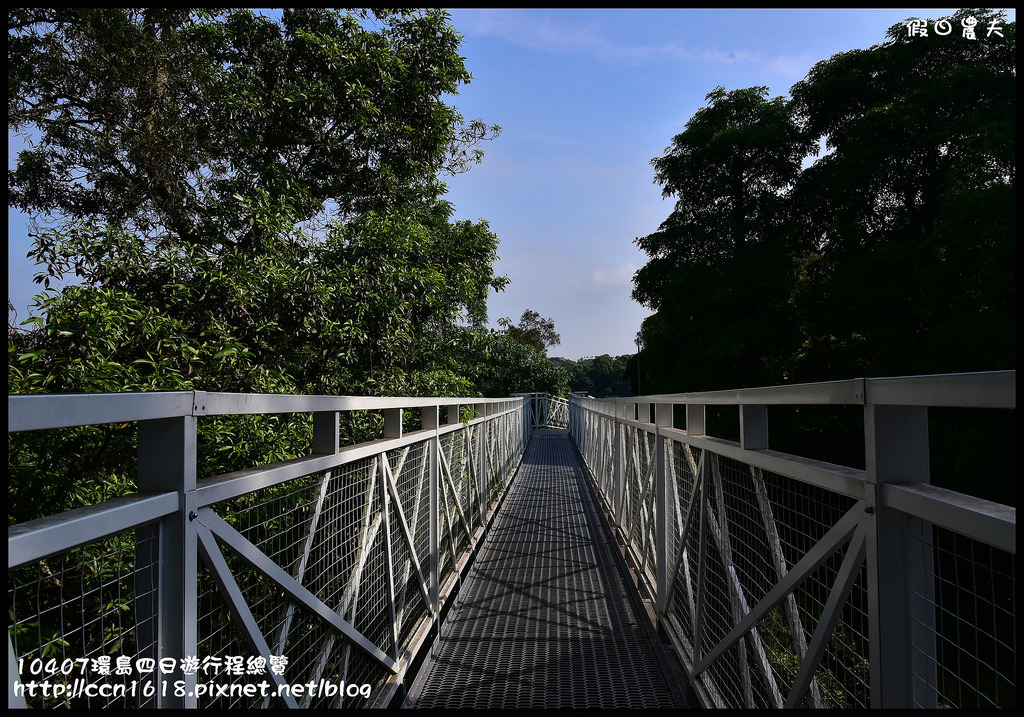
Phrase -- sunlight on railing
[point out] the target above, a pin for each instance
(788, 582)
(235, 591)
(782, 581)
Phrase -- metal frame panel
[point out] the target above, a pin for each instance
(892, 515)
(890, 519)
(173, 516)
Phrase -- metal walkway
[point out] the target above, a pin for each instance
(545, 619)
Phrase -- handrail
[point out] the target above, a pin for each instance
(394, 519)
(33, 412)
(986, 389)
(781, 580)
(737, 546)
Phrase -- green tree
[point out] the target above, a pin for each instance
(247, 204)
(600, 376)
(910, 215)
(535, 331)
(894, 253)
(266, 191)
(718, 276)
(182, 124)
(910, 224)
(499, 365)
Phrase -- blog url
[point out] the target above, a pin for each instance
(80, 688)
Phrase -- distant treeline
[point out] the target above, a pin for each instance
(600, 376)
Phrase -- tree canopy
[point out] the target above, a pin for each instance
(723, 251)
(599, 376)
(892, 253)
(248, 203)
(534, 331)
(233, 201)
(169, 121)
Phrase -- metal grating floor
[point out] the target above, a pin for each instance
(544, 618)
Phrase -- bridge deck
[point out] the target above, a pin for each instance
(545, 619)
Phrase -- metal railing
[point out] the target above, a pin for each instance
(545, 410)
(309, 582)
(789, 582)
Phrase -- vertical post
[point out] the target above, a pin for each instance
(14, 700)
(483, 476)
(901, 606)
(695, 419)
(430, 418)
(385, 506)
(168, 585)
(662, 419)
(392, 422)
(572, 416)
(753, 428)
(325, 432)
(480, 437)
(702, 550)
(620, 463)
(527, 418)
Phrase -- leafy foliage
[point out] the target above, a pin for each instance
(535, 331)
(723, 251)
(500, 365)
(238, 203)
(893, 253)
(879, 258)
(601, 376)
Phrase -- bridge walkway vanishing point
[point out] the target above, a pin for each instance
(546, 617)
(455, 557)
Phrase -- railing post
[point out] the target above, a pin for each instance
(662, 419)
(620, 463)
(753, 427)
(527, 418)
(483, 477)
(167, 578)
(430, 420)
(901, 603)
(695, 419)
(392, 422)
(325, 432)
(479, 411)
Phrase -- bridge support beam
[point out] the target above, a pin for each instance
(430, 418)
(899, 563)
(167, 577)
(663, 415)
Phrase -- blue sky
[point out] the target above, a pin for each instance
(586, 98)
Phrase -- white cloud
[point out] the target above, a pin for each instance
(546, 34)
(795, 68)
(605, 280)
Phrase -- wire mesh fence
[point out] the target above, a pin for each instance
(971, 588)
(310, 582)
(790, 582)
(72, 623)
